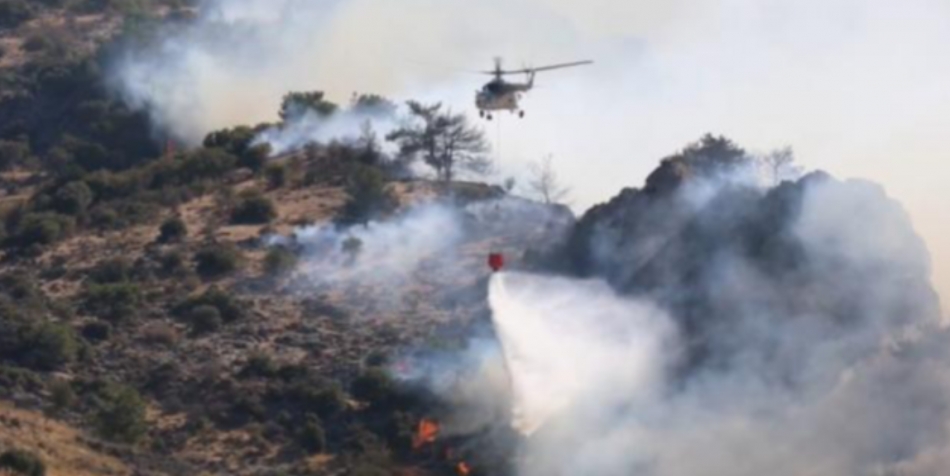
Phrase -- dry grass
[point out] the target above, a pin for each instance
(61, 448)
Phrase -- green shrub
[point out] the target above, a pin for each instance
(62, 396)
(38, 229)
(121, 414)
(172, 230)
(279, 260)
(311, 436)
(254, 157)
(259, 364)
(111, 271)
(374, 386)
(320, 397)
(22, 463)
(253, 209)
(113, 302)
(48, 346)
(205, 319)
(73, 198)
(203, 164)
(217, 261)
(228, 307)
(368, 196)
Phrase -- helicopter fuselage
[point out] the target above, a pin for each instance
(500, 95)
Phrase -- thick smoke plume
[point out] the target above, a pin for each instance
(734, 360)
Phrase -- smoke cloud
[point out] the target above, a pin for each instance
(310, 127)
(789, 386)
(857, 87)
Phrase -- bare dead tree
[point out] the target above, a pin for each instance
(544, 183)
(780, 164)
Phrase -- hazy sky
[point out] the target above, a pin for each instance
(860, 88)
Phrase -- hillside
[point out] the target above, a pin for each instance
(267, 303)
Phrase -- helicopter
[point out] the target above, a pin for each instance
(501, 95)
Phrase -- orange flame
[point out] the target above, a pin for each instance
(427, 433)
(463, 469)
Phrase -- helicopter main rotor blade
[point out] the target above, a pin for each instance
(558, 66)
(542, 68)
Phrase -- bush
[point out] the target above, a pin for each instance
(279, 260)
(253, 209)
(311, 436)
(254, 157)
(72, 199)
(96, 332)
(276, 175)
(259, 364)
(228, 307)
(373, 386)
(173, 230)
(205, 164)
(121, 414)
(160, 334)
(62, 396)
(22, 463)
(38, 229)
(369, 196)
(217, 261)
(48, 346)
(205, 319)
(112, 302)
(111, 271)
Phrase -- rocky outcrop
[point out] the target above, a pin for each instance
(739, 265)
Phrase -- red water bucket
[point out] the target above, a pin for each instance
(496, 261)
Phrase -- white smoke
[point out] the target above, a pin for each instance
(857, 87)
(388, 252)
(556, 357)
(594, 383)
(310, 127)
